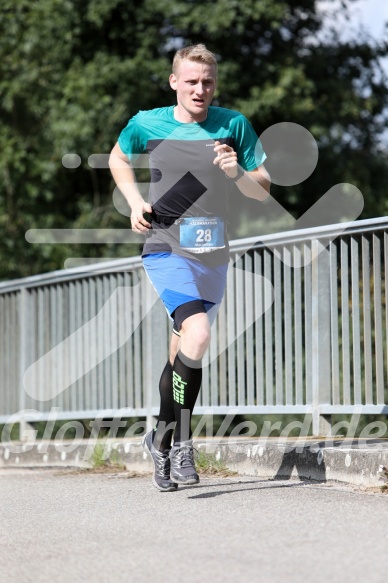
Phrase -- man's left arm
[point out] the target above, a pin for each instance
(254, 184)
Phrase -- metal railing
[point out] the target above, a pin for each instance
(302, 330)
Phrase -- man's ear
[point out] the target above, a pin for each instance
(173, 81)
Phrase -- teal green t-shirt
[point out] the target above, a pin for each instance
(221, 124)
(184, 180)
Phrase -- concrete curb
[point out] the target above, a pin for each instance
(351, 462)
(355, 462)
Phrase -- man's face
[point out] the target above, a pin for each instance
(195, 84)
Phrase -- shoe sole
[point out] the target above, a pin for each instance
(171, 488)
(190, 482)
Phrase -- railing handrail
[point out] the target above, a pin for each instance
(61, 275)
(299, 235)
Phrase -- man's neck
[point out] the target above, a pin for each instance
(184, 116)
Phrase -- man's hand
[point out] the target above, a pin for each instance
(138, 222)
(253, 184)
(226, 159)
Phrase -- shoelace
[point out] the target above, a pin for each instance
(185, 456)
(162, 461)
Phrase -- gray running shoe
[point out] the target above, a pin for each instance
(161, 460)
(182, 463)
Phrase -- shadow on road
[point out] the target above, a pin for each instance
(262, 485)
(308, 464)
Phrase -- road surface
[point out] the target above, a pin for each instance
(59, 526)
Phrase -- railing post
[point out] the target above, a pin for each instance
(24, 313)
(152, 350)
(321, 368)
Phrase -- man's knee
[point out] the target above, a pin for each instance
(185, 311)
(196, 328)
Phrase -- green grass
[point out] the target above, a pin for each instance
(206, 463)
(384, 473)
(100, 460)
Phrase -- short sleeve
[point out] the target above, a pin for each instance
(130, 140)
(250, 153)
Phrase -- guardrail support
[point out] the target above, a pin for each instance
(25, 428)
(321, 369)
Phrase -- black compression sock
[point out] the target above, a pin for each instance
(186, 380)
(164, 428)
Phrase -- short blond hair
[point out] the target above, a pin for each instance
(198, 53)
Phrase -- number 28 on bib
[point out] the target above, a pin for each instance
(202, 234)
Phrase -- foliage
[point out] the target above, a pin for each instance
(102, 459)
(72, 73)
(384, 475)
(207, 463)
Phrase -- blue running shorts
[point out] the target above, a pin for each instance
(179, 280)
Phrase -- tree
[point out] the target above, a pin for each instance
(72, 73)
(277, 65)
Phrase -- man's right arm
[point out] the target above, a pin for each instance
(124, 177)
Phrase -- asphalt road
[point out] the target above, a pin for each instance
(58, 527)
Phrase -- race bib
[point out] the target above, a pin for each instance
(201, 234)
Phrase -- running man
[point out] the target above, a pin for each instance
(198, 153)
